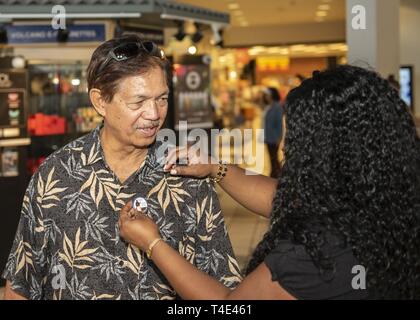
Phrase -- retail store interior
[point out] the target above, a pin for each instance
(238, 47)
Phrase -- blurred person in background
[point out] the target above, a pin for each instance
(272, 125)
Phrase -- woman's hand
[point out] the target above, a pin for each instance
(137, 228)
(197, 164)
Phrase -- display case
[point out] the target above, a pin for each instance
(60, 110)
(14, 142)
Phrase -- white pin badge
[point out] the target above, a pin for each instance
(140, 204)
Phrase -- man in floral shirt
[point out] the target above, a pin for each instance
(67, 245)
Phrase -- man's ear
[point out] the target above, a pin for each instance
(98, 101)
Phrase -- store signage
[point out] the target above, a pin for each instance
(192, 92)
(23, 34)
(269, 64)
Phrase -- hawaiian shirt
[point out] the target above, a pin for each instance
(67, 245)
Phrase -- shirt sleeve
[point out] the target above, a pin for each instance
(214, 252)
(26, 263)
(296, 273)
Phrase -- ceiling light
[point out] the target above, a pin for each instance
(180, 35)
(75, 82)
(198, 35)
(192, 50)
(321, 13)
(324, 7)
(3, 34)
(217, 35)
(63, 35)
(233, 6)
(238, 13)
(18, 62)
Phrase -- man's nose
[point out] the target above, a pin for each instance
(151, 112)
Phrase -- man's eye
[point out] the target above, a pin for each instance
(138, 104)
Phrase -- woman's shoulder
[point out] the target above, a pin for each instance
(293, 268)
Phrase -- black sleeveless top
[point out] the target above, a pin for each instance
(296, 273)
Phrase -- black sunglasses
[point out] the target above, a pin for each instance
(129, 50)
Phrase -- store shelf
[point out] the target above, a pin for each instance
(15, 142)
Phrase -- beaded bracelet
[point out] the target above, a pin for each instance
(221, 173)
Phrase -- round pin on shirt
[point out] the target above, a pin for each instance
(140, 204)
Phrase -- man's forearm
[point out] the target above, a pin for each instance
(9, 294)
(254, 192)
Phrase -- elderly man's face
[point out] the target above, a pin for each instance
(138, 109)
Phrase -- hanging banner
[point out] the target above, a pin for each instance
(192, 92)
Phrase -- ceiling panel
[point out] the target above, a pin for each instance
(269, 12)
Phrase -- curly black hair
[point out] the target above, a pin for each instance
(352, 169)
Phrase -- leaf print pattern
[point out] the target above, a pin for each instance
(187, 248)
(235, 270)
(108, 265)
(170, 189)
(70, 217)
(46, 192)
(96, 226)
(78, 204)
(164, 291)
(24, 257)
(211, 224)
(135, 259)
(78, 289)
(75, 254)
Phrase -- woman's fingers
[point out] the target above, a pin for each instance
(127, 207)
(184, 171)
(175, 156)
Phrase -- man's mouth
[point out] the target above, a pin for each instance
(148, 131)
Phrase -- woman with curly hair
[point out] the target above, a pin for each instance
(348, 198)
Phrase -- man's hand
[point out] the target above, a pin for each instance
(9, 294)
(196, 164)
(136, 228)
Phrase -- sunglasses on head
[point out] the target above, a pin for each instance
(129, 50)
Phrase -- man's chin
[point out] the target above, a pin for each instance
(144, 142)
(141, 141)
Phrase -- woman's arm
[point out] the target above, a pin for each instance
(189, 282)
(254, 192)
(193, 284)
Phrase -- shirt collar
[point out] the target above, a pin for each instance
(92, 149)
